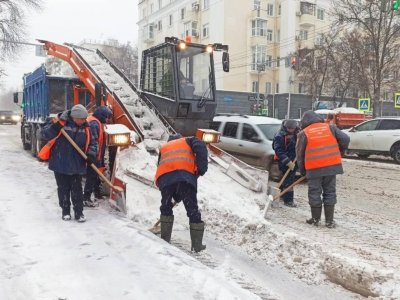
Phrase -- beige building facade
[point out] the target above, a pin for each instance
(262, 36)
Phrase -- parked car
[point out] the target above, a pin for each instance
(9, 117)
(249, 138)
(378, 136)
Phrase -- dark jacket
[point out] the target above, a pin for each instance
(101, 113)
(284, 145)
(199, 149)
(64, 158)
(342, 139)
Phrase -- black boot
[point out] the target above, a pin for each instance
(329, 212)
(167, 222)
(315, 216)
(196, 235)
(66, 213)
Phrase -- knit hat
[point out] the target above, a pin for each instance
(79, 111)
(290, 124)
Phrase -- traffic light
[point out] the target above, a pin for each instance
(294, 61)
(396, 5)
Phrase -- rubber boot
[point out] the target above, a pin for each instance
(196, 235)
(315, 216)
(329, 212)
(167, 222)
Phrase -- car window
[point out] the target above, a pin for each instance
(215, 125)
(230, 129)
(269, 130)
(370, 125)
(248, 132)
(389, 124)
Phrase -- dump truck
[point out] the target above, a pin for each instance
(342, 117)
(176, 94)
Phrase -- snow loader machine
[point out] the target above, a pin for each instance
(177, 94)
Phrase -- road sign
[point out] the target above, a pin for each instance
(397, 100)
(364, 104)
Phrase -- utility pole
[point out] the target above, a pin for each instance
(260, 67)
(289, 96)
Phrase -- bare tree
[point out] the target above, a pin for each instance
(374, 29)
(125, 57)
(12, 23)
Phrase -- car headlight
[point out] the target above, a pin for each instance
(15, 118)
(3, 117)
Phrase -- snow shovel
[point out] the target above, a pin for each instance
(274, 198)
(156, 229)
(104, 178)
(272, 190)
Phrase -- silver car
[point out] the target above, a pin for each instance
(249, 138)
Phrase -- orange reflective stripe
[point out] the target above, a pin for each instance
(322, 149)
(176, 155)
(100, 140)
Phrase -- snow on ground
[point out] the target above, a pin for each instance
(247, 256)
(108, 257)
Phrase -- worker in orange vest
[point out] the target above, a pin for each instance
(318, 151)
(67, 164)
(181, 162)
(92, 185)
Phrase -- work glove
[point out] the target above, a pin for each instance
(57, 126)
(291, 165)
(91, 159)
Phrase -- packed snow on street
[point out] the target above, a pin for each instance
(114, 256)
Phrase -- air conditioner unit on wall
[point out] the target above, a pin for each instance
(195, 6)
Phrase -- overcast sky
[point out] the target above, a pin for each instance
(72, 21)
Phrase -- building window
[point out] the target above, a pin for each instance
(159, 4)
(159, 25)
(307, 8)
(143, 13)
(259, 27)
(277, 88)
(254, 87)
(319, 39)
(183, 10)
(205, 30)
(269, 35)
(268, 62)
(303, 35)
(257, 4)
(258, 56)
(270, 9)
(386, 96)
(301, 88)
(278, 61)
(190, 28)
(279, 10)
(320, 14)
(171, 20)
(268, 88)
(206, 4)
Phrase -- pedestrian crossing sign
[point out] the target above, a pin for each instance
(364, 104)
(397, 100)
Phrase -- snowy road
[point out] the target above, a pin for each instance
(111, 257)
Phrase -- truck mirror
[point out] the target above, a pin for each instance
(98, 93)
(225, 61)
(16, 97)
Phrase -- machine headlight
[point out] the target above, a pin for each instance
(16, 118)
(208, 136)
(118, 135)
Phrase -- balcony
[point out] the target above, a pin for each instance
(306, 20)
(259, 14)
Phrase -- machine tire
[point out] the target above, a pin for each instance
(396, 153)
(363, 156)
(25, 145)
(33, 141)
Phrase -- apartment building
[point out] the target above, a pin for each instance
(261, 34)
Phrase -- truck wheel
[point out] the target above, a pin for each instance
(39, 142)
(396, 153)
(33, 141)
(25, 145)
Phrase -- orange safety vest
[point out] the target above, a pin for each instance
(176, 155)
(322, 149)
(44, 153)
(101, 135)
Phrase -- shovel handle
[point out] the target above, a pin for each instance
(104, 178)
(286, 175)
(289, 187)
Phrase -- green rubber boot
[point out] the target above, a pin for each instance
(196, 235)
(329, 212)
(315, 216)
(167, 222)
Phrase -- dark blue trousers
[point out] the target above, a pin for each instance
(288, 197)
(92, 183)
(69, 187)
(181, 191)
